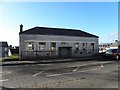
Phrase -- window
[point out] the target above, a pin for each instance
(30, 46)
(92, 46)
(76, 45)
(63, 43)
(53, 46)
(42, 45)
(6, 49)
(84, 46)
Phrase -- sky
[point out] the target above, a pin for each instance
(98, 18)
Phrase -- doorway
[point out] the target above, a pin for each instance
(65, 51)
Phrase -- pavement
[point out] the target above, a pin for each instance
(102, 74)
(88, 58)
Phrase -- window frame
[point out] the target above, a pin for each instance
(30, 48)
(42, 45)
(52, 48)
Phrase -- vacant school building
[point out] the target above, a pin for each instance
(39, 42)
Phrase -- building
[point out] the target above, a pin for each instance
(4, 49)
(104, 46)
(41, 42)
(116, 44)
(14, 50)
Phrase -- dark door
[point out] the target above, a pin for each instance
(65, 51)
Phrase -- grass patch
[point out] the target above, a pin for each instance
(11, 58)
(2, 59)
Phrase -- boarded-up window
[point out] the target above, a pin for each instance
(52, 46)
(84, 46)
(30, 46)
(63, 42)
(76, 47)
(92, 46)
(42, 45)
(6, 49)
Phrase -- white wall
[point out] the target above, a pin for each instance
(48, 38)
(70, 40)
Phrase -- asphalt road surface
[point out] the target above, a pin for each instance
(61, 75)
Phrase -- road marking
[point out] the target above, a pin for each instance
(5, 73)
(102, 66)
(118, 65)
(45, 64)
(37, 73)
(90, 70)
(53, 75)
(79, 67)
(68, 73)
(4, 80)
(84, 65)
(76, 69)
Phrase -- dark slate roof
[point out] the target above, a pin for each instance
(57, 31)
(3, 44)
(14, 51)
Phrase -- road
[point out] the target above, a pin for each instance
(62, 75)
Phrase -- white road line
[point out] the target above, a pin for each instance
(44, 64)
(4, 80)
(102, 66)
(37, 73)
(76, 69)
(84, 65)
(95, 69)
(53, 75)
(118, 65)
(67, 73)
(90, 70)
(5, 73)
(79, 67)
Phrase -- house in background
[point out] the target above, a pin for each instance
(14, 50)
(116, 44)
(41, 42)
(104, 46)
(4, 49)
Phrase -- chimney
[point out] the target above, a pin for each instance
(21, 28)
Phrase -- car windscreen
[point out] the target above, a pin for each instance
(114, 50)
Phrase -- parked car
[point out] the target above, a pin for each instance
(118, 54)
(115, 53)
(102, 51)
